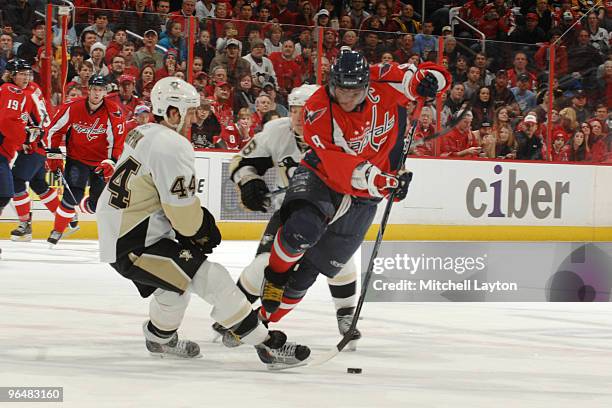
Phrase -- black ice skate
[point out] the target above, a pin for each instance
(228, 338)
(23, 232)
(271, 296)
(175, 348)
(345, 318)
(54, 238)
(277, 354)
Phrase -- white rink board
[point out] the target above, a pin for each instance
(575, 195)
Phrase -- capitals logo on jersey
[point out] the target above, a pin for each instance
(373, 134)
(91, 132)
(311, 116)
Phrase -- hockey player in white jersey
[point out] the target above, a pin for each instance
(153, 231)
(280, 144)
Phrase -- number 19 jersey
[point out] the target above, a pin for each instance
(151, 193)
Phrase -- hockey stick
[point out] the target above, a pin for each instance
(67, 187)
(347, 338)
(276, 192)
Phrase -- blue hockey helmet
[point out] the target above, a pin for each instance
(97, 80)
(351, 70)
(349, 79)
(17, 64)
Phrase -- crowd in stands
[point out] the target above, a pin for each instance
(248, 56)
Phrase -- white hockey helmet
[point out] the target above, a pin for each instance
(173, 91)
(300, 95)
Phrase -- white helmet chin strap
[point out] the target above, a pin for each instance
(179, 125)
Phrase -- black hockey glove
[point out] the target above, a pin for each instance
(404, 177)
(428, 86)
(253, 194)
(206, 238)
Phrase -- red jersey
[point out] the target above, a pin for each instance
(560, 156)
(19, 107)
(374, 132)
(90, 137)
(41, 116)
(456, 141)
(223, 112)
(232, 137)
(287, 72)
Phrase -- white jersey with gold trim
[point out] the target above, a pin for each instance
(151, 193)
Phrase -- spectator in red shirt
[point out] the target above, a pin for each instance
(282, 14)
(236, 135)
(170, 65)
(519, 66)
(425, 127)
(542, 56)
(559, 152)
(115, 45)
(597, 141)
(127, 52)
(286, 68)
(263, 104)
(182, 16)
(128, 100)
(460, 142)
(222, 105)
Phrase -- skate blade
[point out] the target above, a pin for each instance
(284, 366)
(164, 356)
(216, 337)
(71, 231)
(23, 238)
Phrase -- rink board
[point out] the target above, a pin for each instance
(449, 200)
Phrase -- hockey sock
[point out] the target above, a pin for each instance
(286, 306)
(50, 199)
(344, 295)
(250, 297)
(282, 257)
(23, 205)
(85, 207)
(63, 216)
(159, 332)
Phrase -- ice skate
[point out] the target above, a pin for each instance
(345, 318)
(271, 295)
(73, 226)
(54, 238)
(175, 348)
(23, 232)
(226, 336)
(277, 354)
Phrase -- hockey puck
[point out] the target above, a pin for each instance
(353, 370)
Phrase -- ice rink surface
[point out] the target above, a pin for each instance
(69, 321)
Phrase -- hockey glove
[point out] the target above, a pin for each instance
(106, 168)
(428, 84)
(206, 238)
(55, 160)
(253, 194)
(380, 184)
(404, 177)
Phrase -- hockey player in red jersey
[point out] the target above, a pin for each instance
(18, 109)
(29, 166)
(94, 131)
(356, 130)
